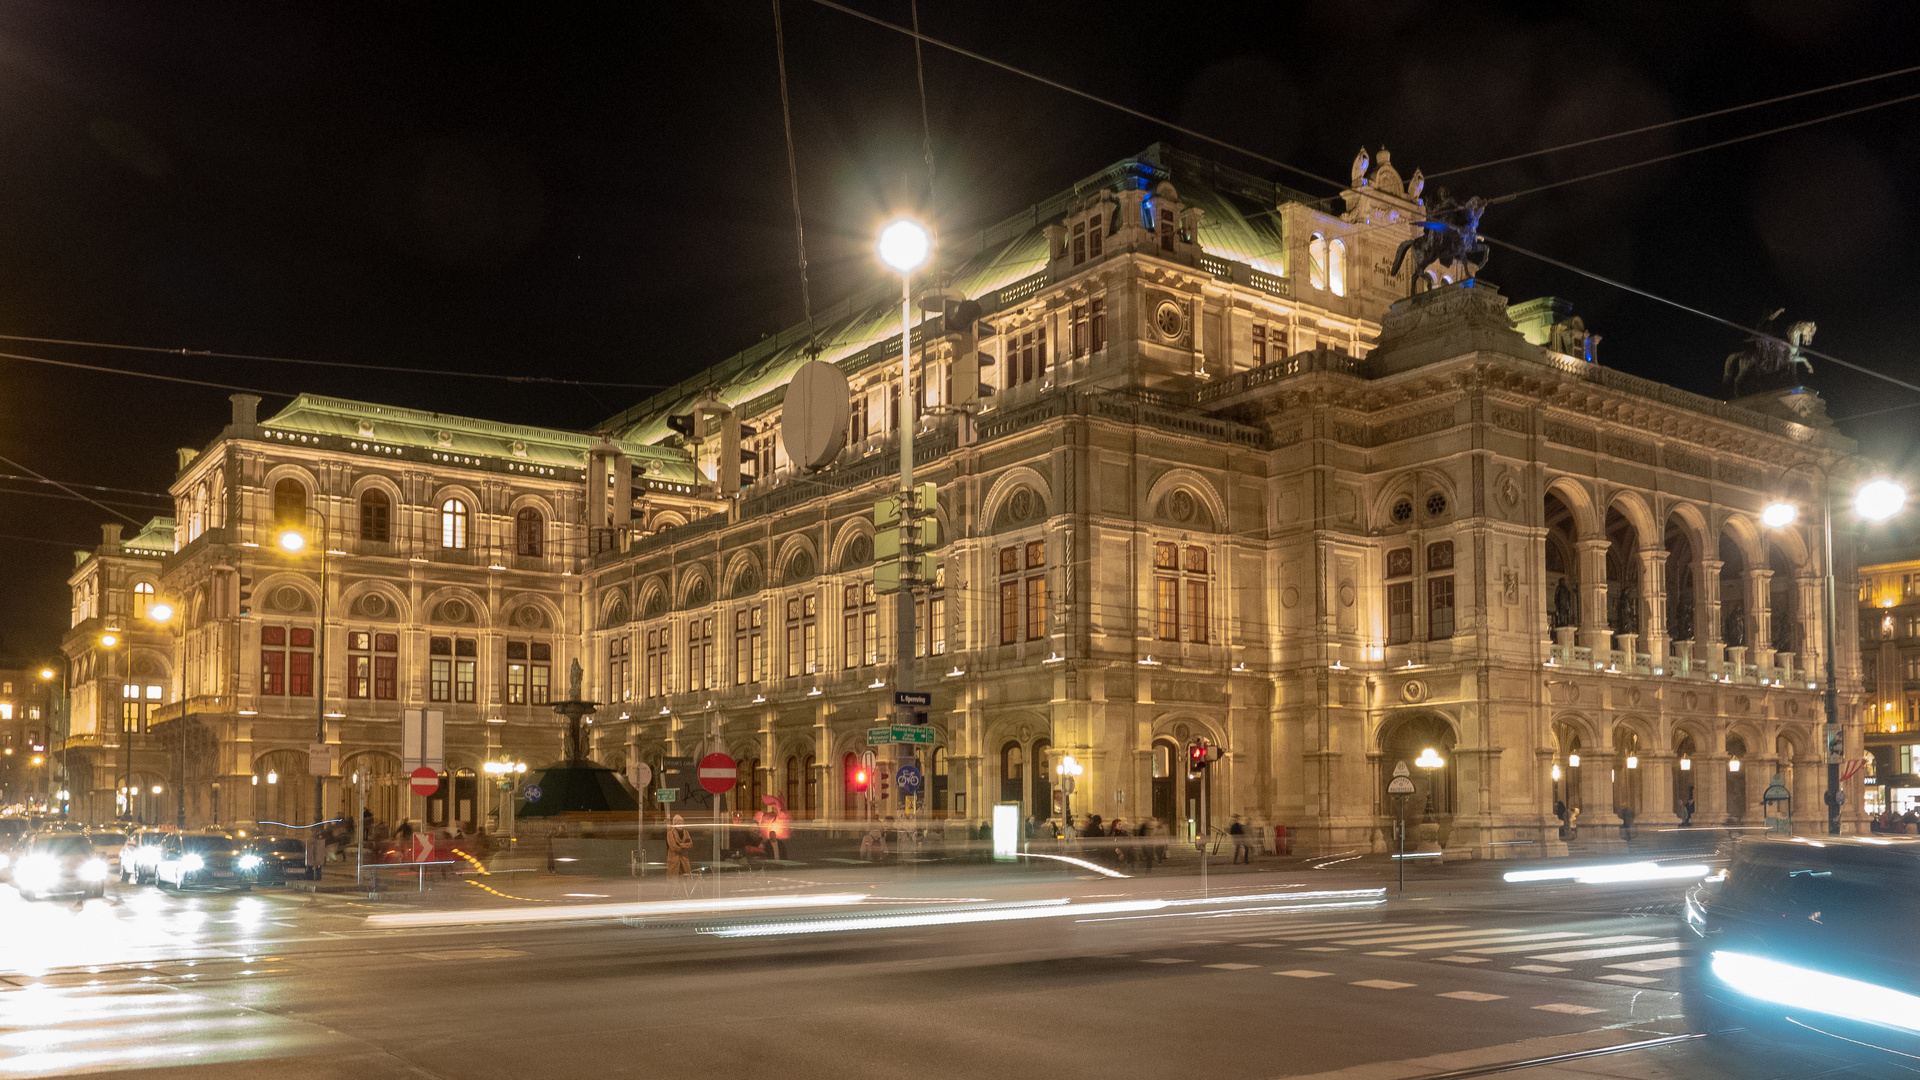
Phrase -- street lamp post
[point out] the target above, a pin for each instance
(904, 246)
(293, 541)
(1068, 770)
(111, 642)
(161, 613)
(56, 713)
(1876, 500)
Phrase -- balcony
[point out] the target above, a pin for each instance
(1686, 660)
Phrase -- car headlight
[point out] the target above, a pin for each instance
(93, 870)
(249, 862)
(190, 863)
(37, 871)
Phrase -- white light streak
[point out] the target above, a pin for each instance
(1611, 874)
(611, 911)
(1817, 991)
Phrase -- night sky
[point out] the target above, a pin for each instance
(600, 194)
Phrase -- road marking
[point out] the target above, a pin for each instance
(1624, 950)
(1303, 973)
(1664, 963)
(1570, 1010)
(469, 954)
(1382, 984)
(1232, 967)
(1470, 995)
(1544, 969)
(1389, 952)
(1166, 960)
(1260, 945)
(1541, 940)
(1637, 980)
(1345, 930)
(1583, 944)
(1321, 948)
(1463, 960)
(1427, 934)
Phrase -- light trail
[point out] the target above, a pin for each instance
(610, 911)
(1053, 909)
(1611, 874)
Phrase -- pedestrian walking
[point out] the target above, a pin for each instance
(1241, 845)
(679, 842)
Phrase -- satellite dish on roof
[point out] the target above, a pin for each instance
(813, 420)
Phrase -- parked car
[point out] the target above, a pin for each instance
(1810, 941)
(107, 844)
(188, 860)
(140, 855)
(56, 864)
(13, 837)
(279, 860)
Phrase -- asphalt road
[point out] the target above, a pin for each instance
(1259, 976)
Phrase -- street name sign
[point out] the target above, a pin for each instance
(909, 733)
(666, 794)
(913, 697)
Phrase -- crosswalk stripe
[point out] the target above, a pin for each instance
(1664, 963)
(1623, 950)
(1381, 984)
(1615, 940)
(1276, 929)
(1544, 969)
(1540, 941)
(1303, 973)
(1637, 980)
(1570, 1010)
(1472, 995)
(1423, 935)
(1346, 932)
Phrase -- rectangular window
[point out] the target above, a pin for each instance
(654, 680)
(463, 681)
(1197, 612)
(1913, 667)
(540, 684)
(440, 679)
(273, 671)
(1440, 556)
(1167, 608)
(1096, 232)
(1077, 339)
(1400, 613)
(1440, 608)
(870, 624)
(1259, 344)
(386, 667)
(1036, 607)
(359, 676)
(747, 657)
(1399, 562)
(516, 682)
(300, 662)
(1009, 612)
(1079, 243)
(1097, 324)
(852, 644)
(1166, 556)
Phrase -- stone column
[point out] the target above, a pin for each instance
(1759, 597)
(1706, 590)
(1653, 593)
(1656, 789)
(1596, 795)
(1812, 641)
(1710, 789)
(1594, 631)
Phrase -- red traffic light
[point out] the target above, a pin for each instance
(1199, 755)
(859, 779)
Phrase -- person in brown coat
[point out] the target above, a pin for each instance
(679, 842)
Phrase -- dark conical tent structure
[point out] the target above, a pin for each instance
(566, 787)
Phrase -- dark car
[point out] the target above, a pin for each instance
(1811, 940)
(57, 864)
(270, 860)
(194, 859)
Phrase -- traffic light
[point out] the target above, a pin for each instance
(682, 423)
(860, 779)
(886, 787)
(246, 595)
(1199, 756)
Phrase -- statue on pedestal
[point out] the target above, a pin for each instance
(573, 680)
(1442, 241)
(1771, 357)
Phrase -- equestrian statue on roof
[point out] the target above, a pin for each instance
(1450, 234)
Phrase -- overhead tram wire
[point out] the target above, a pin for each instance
(1095, 98)
(793, 167)
(926, 124)
(132, 521)
(212, 355)
(144, 374)
(1675, 123)
(1709, 316)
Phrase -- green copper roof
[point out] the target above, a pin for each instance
(1240, 223)
(387, 425)
(155, 535)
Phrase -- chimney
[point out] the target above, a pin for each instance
(186, 455)
(246, 410)
(110, 536)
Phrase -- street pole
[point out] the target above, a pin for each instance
(320, 675)
(904, 674)
(1830, 731)
(126, 736)
(1400, 826)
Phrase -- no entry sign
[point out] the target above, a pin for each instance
(717, 773)
(425, 781)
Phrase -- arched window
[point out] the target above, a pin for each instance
(375, 514)
(1042, 780)
(197, 519)
(812, 782)
(1317, 261)
(289, 503)
(1011, 772)
(1337, 267)
(529, 533)
(453, 524)
(792, 797)
(142, 599)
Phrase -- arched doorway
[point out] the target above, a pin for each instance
(1407, 742)
(1733, 592)
(1012, 771)
(1160, 768)
(939, 782)
(1042, 803)
(1736, 778)
(282, 789)
(853, 800)
(142, 798)
(1681, 559)
(1684, 800)
(374, 783)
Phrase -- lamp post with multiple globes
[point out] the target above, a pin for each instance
(293, 541)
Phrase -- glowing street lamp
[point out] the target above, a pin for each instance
(904, 245)
(1068, 770)
(1876, 500)
(160, 612)
(293, 541)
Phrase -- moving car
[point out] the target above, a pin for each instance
(279, 860)
(56, 864)
(141, 855)
(201, 858)
(1805, 940)
(107, 844)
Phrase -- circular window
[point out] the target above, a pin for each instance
(454, 611)
(1403, 511)
(287, 598)
(373, 605)
(1436, 504)
(1169, 320)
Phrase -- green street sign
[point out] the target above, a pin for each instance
(880, 736)
(914, 733)
(667, 794)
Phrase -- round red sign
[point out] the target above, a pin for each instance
(425, 781)
(717, 773)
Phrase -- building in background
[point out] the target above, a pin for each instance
(1203, 475)
(28, 770)
(1889, 629)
